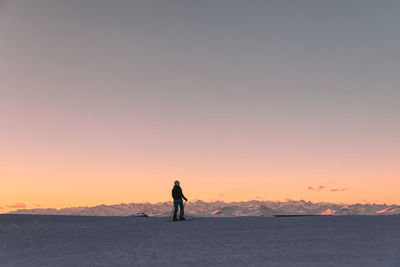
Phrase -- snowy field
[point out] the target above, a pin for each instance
(29, 240)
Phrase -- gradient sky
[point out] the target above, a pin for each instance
(110, 101)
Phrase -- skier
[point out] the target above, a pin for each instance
(178, 195)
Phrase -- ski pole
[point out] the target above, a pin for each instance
(172, 211)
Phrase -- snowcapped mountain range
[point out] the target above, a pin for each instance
(224, 209)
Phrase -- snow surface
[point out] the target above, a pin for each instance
(41, 240)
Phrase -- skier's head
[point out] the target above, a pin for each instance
(176, 183)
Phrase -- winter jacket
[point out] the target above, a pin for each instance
(177, 193)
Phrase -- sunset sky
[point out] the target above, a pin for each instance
(106, 102)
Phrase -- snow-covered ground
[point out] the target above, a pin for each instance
(33, 240)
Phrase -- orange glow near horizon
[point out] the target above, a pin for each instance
(69, 183)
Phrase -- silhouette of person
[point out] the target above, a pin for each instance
(178, 195)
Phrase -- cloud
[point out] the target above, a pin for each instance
(338, 189)
(318, 188)
(323, 187)
(38, 205)
(287, 199)
(17, 206)
(1, 208)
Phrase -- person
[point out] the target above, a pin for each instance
(177, 196)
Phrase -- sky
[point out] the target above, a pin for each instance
(106, 102)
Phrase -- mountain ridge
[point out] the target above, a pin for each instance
(223, 209)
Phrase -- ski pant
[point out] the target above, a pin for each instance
(180, 203)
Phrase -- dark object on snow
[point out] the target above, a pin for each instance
(141, 214)
(299, 215)
(183, 219)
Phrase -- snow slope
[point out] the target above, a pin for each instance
(40, 240)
